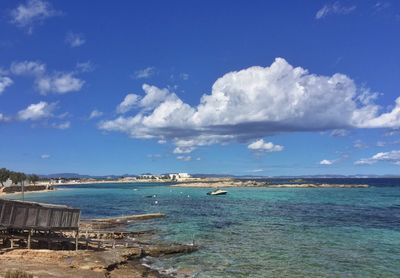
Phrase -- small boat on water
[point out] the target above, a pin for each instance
(217, 192)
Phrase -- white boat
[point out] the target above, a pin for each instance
(217, 192)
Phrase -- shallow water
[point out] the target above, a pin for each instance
(260, 232)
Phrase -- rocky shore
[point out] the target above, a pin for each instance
(106, 249)
(118, 262)
(253, 183)
(29, 188)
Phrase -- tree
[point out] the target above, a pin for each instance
(33, 178)
(14, 176)
(4, 175)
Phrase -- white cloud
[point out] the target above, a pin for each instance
(184, 76)
(45, 156)
(31, 68)
(253, 103)
(255, 171)
(392, 156)
(380, 144)
(335, 8)
(84, 66)
(339, 132)
(260, 145)
(37, 111)
(128, 103)
(32, 12)
(180, 150)
(57, 82)
(184, 158)
(144, 73)
(358, 144)
(326, 162)
(74, 39)
(4, 83)
(63, 125)
(389, 119)
(392, 132)
(95, 114)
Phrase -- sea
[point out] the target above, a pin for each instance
(259, 232)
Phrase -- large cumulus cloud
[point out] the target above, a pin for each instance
(253, 103)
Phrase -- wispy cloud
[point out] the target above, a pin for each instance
(184, 157)
(339, 133)
(62, 126)
(45, 156)
(45, 83)
(37, 111)
(75, 39)
(334, 8)
(84, 66)
(144, 73)
(4, 83)
(358, 144)
(3, 118)
(255, 171)
(183, 149)
(95, 114)
(31, 13)
(184, 76)
(392, 156)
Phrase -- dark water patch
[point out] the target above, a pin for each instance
(374, 182)
(336, 215)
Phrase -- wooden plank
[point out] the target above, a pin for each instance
(11, 214)
(3, 208)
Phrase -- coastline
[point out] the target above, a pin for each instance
(189, 183)
(226, 184)
(27, 189)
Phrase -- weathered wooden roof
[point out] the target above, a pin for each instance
(38, 216)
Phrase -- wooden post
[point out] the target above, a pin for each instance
(29, 239)
(23, 193)
(76, 240)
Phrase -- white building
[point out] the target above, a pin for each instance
(9, 182)
(177, 176)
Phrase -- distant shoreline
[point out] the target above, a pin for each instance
(237, 183)
(189, 183)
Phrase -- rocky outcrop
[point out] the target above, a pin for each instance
(118, 262)
(29, 188)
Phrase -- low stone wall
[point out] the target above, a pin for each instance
(17, 188)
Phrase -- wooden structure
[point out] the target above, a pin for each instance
(19, 218)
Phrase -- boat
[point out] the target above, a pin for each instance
(217, 192)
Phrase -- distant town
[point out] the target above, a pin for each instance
(11, 181)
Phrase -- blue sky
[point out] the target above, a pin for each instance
(229, 87)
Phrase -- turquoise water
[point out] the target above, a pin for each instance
(260, 232)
